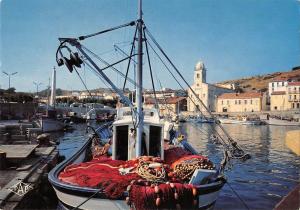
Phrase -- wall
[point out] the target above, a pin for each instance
(17, 110)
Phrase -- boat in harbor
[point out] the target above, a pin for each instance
(132, 162)
(241, 121)
(280, 121)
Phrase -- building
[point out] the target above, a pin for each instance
(277, 85)
(208, 93)
(242, 102)
(168, 106)
(278, 100)
(294, 95)
(287, 99)
(164, 93)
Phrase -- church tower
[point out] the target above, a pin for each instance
(200, 73)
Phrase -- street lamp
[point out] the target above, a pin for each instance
(9, 75)
(37, 87)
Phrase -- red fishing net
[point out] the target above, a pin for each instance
(103, 172)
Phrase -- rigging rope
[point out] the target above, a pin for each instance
(236, 151)
(150, 68)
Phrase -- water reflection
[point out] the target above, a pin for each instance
(261, 181)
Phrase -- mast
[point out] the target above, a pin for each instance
(139, 89)
(53, 88)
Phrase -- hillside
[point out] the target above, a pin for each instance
(260, 83)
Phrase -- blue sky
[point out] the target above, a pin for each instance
(234, 38)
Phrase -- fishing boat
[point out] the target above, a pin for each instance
(242, 121)
(127, 163)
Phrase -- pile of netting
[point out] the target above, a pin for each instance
(149, 181)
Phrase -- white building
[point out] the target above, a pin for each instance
(277, 85)
(208, 93)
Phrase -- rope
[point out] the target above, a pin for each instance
(151, 174)
(150, 68)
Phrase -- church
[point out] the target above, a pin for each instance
(208, 93)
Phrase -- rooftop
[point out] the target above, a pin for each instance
(294, 83)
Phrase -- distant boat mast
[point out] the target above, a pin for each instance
(53, 89)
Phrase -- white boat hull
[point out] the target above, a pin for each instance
(273, 121)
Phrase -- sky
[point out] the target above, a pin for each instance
(234, 38)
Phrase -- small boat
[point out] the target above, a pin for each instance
(242, 121)
(282, 122)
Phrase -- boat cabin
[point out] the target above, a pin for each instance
(124, 135)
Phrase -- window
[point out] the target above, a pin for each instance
(251, 101)
(227, 102)
(239, 101)
(290, 97)
(277, 84)
(235, 102)
(222, 102)
(272, 84)
(282, 83)
(295, 96)
(197, 85)
(198, 75)
(245, 101)
(298, 105)
(293, 105)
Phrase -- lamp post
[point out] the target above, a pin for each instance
(37, 87)
(9, 75)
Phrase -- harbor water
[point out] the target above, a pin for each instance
(258, 183)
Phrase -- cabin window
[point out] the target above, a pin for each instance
(155, 141)
(122, 142)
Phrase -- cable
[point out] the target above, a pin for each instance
(132, 23)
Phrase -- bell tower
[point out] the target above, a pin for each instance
(200, 73)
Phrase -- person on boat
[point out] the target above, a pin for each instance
(172, 134)
(132, 143)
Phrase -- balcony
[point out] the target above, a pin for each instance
(294, 91)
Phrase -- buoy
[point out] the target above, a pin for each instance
(156, 189)
(194, 191)
(127, 200)
(176, 196)
(158, 201)
(128, 188)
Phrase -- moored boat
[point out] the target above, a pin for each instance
(127, 164)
